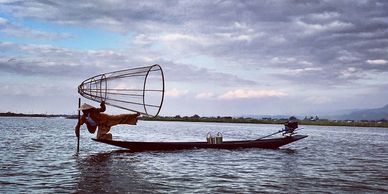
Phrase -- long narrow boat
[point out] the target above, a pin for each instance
(273, 143)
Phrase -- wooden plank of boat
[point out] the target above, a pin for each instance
(272, 143)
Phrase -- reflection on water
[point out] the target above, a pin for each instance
(38, 155)
(110, 172)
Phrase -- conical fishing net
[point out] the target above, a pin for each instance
(137, 89)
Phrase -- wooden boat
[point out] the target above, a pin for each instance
(273, 143)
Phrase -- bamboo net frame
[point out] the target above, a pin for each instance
(137, 89)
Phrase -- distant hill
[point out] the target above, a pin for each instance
(367, 114)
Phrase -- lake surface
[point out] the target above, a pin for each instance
(38, 155)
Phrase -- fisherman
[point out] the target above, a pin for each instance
(290, 125)
(93, 117)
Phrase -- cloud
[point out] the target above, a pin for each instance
(319, 99)
(46, 60)
(113, 15)
(178, 37)
(32, 90)
(13, 30)
(204, 95)
(249, 93)
(3, 21)
(319, 27)
(377, 62)
(307, 45)
(305, 70)
(176, 93)
(331, 35)
(179, 72)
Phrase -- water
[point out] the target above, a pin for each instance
(38, 155)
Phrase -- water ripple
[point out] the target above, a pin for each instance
(38, 156)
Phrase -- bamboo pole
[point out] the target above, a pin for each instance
(79, 118)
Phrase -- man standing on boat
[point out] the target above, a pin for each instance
(94, 117)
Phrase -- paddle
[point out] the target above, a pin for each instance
(79, 118)
(293, 132)
(272, 134)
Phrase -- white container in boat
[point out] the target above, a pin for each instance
(218, 138)
(209, 138)
(214, 140)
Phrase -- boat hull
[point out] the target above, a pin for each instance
(273, 143)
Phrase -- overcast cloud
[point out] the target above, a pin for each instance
(301, 54)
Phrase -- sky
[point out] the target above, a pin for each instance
(220, 58)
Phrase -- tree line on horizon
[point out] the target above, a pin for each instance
(308, 120)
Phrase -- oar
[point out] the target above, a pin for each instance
(79, 118)
(297, 129)
(272, 134)
(293, 132)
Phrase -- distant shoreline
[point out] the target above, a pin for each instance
(195, 118)
(11, 114)
(321, 122)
